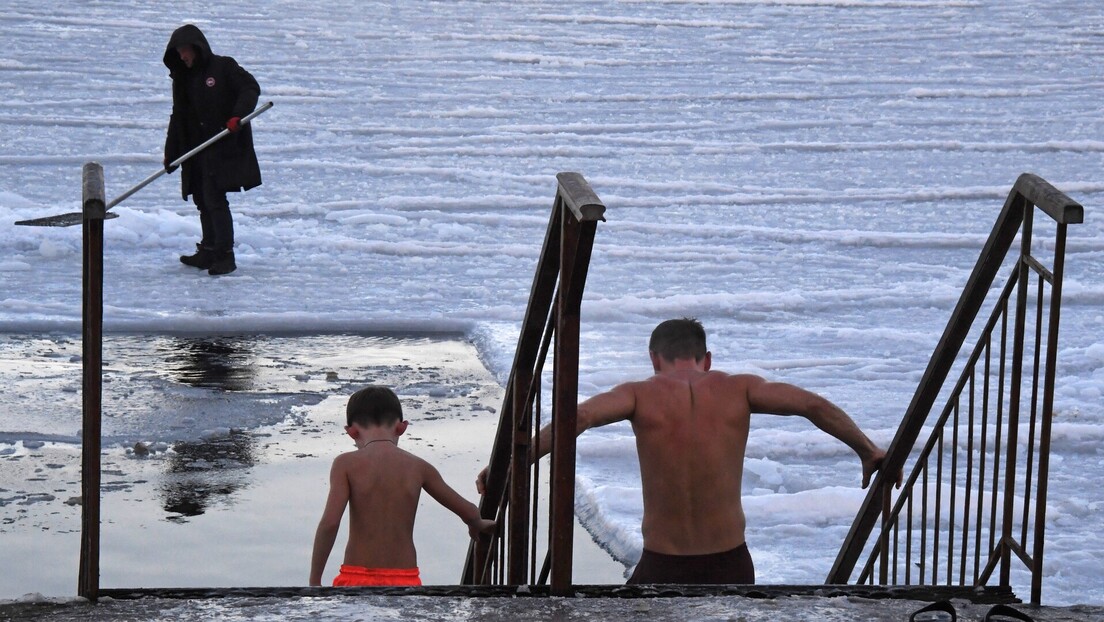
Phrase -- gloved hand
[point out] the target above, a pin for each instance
(168, 169)
(234, 124)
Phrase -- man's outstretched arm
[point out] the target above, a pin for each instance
(779, 398)
(608, 407)
(617, 404)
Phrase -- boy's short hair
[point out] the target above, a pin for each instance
(678, 339)
(374, 405)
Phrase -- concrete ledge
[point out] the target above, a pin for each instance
(979, 595)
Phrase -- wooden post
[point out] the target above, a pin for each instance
(88, 581)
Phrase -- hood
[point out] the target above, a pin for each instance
(191, 35)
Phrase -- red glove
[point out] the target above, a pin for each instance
(234, 124)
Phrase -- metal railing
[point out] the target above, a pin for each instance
(513, 480)
(976, 493)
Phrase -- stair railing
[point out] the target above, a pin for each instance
(972, 500)
(513, 477)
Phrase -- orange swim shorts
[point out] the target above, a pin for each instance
(360, 576)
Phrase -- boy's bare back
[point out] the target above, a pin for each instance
(381, 485)
(382, 480)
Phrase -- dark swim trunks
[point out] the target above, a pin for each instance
(733, 566)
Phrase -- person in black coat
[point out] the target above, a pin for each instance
(210, 93)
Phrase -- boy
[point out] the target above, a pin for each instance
(381, 484)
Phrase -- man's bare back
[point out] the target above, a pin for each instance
(691, 431)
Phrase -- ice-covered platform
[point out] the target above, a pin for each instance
(738, 603)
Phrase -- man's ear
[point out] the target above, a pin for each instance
(655, 360)
(400, 427)
(352, 432)
(707, 362)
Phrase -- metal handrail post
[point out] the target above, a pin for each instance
(88, 579)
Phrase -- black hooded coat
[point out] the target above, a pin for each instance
(206, 96)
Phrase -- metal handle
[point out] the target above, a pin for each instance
(177, 162)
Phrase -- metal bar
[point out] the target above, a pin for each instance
(534, 512)
(536, 315)
(518, 533)
(923, 524)
(1046, 197)
(580, 198)
(951, 508)
(1014, 398)
(1033, 418)
(896, 548)
(938, 507)
(998, 434)
(1043, 272)
(908, 543)
(88, 580)
(1048, 412)
(982, 455)
(184, 158)
(546, 343)
(973, 296)
(969, 477)
(884, 544)
(565, 404)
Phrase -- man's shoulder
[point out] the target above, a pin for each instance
(713, 375)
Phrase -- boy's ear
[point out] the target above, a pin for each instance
(400, 427)
(352, 432)
(708, 361)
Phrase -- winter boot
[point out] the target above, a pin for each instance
(222, 262)
(201, 259)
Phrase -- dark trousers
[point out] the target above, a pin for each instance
(214, 209)
(728, 567)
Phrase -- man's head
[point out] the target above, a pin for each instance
(187, 54)
(374, 405)
(679, 339)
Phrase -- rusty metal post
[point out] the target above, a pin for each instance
(1048, 407)
(88, 581)
(1009, 510)
(565, 410)
(518, 510)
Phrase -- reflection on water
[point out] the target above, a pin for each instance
(224, 363)
(204, 472)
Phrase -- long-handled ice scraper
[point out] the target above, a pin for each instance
(75, 218)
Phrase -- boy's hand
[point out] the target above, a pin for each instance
(481, 481)
(483, 526)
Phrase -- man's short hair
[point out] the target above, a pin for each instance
(679, 339)
(374, 405)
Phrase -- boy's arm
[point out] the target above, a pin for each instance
(779, 398)
(326, 533)
(435, 485)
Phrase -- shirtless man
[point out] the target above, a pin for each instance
(381, 484)
(691, 426)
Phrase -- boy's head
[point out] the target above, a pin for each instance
(374, 405)
(678, 339)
